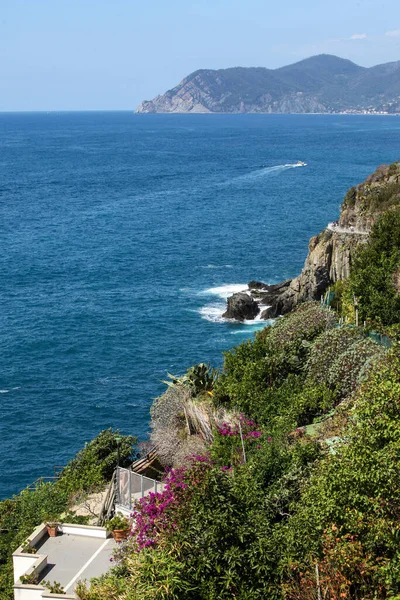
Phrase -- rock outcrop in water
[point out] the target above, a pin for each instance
(331, 252)
(241, 306)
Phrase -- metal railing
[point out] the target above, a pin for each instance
(131, 486)
(42, 480)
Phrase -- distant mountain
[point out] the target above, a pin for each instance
(323, 83)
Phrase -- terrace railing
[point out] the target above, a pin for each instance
(131, 486)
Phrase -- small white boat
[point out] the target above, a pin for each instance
(300, 163)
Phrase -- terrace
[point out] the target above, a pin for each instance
(78, 552)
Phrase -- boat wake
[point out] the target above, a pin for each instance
(265, 172)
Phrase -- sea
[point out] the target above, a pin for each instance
(122, 235)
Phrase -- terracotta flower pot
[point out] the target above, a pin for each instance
(120, 535)
(52, 530)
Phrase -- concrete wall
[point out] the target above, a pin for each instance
(28, 592)
(87, 530)
(126, 512)
(22, 563)
(47, 594)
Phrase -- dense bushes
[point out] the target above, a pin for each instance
(374, 275)
(351, 367)
(214, 534)
(254, 376)
(351, 508)
(95, 463)
(226, 528)
(326, 348)
(307, 321)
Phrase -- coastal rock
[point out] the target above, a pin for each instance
(329, 259)
(258, 285)
(331, 252)
(240, 307)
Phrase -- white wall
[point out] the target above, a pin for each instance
(28, 592)
(123, 510)
(87, 530)
(22, 563)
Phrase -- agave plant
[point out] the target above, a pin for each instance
(200, 378)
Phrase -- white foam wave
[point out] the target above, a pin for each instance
(257, 319)
(217, 267)
(213, 312)
(252, 326)
(224, 291)
(4, 391)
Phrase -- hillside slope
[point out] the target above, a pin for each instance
(321, 83)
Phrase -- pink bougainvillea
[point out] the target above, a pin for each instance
(250, 429)
(158, 512)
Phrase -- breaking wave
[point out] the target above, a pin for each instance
(213, 311)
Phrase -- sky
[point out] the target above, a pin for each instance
(112, 54)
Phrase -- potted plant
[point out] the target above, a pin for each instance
(52, 525)
(31, 579)
(54, 588)
(27, 548)
(119, 527)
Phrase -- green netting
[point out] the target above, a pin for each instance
(380, 339)
(328, 298)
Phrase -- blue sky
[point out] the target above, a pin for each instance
(111, 54)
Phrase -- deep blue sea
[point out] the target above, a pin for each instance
(121, 236)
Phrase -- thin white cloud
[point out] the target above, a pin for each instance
(358, 36)
(395, 33)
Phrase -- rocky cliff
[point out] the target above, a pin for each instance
(331, 252)
(318, 84)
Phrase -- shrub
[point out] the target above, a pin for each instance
(253, 370)
(227, 449)
(372, 277)
(351, 367)
(326, 348)
(304, 323)
(348, 514)
(94, 465)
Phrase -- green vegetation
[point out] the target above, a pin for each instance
(95, 464)
(253, 517)
(90, 470)
(375, 275)
(54, 587)
(117, 522)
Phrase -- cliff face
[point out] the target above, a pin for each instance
(321, 83)
(329, 259)
(330, 253)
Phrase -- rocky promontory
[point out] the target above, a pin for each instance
(330, 253)
(319, 84)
